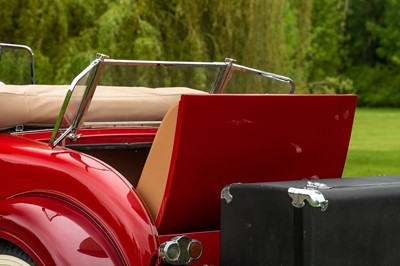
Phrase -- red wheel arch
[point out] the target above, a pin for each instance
(53, 232)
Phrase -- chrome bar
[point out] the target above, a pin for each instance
(266, 75)
(162, 63)
(226, 70)
(121, 124)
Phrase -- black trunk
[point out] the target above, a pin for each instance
(360, 225)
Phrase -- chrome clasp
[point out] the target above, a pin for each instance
(312, 196)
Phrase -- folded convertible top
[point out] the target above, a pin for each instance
(39, 105)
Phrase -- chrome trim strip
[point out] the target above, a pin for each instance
(121, 124)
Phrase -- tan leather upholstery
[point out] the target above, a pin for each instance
(154, 176)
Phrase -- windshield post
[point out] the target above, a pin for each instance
(223, 77)
(90, 78)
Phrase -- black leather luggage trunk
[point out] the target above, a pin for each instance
(319, 222)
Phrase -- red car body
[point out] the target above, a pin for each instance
(76, 204)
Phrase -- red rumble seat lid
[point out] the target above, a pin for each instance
(224, 139)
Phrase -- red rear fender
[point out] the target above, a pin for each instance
(38, 177)
(55, 233)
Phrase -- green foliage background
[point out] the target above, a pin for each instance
(326, 46)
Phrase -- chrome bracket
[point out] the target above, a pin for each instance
(19, 128)
(74, 137)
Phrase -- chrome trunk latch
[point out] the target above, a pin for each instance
(312, 196)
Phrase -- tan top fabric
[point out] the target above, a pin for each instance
(40, 104)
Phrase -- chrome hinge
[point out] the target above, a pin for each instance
(312, 196)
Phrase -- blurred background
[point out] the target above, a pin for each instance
(325, 46)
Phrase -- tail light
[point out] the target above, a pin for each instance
(180, 250)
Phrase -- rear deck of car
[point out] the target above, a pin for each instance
(208, 141)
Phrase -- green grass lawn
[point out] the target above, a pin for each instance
(375, 143)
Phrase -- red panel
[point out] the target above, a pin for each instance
(223, 139)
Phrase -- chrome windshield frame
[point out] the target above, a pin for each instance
(95, 69)
(91, 84)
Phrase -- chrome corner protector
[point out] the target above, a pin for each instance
(313, 197)
(226, 195)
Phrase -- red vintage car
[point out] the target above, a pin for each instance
(108, 171)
